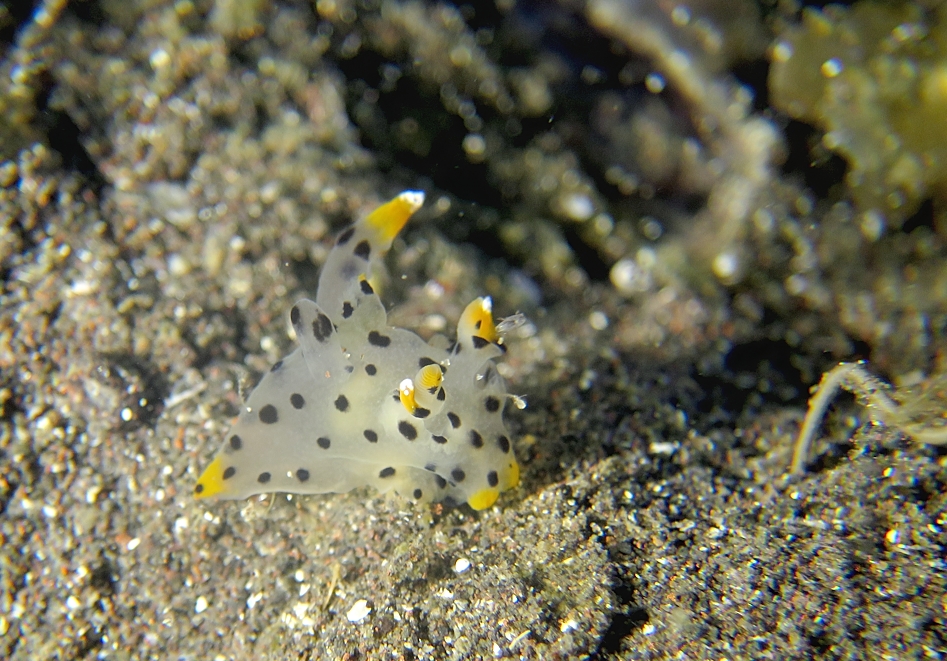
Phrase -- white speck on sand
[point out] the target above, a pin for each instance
(359, 611)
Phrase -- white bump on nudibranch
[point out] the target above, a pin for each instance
(415, 198)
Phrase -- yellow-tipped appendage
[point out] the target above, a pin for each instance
(406, 393)
(388, 219)
(477, 319)
(211, 481)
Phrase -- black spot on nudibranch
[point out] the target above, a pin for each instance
(441, 482)
(476, 439)
(493, 479)
(363, 250)
(441, 395)
(386, 472)
(236, 442)
(365, 287)
(377, 339)
(425, 361)
(229, 472)
(407, 430)
(347, 310)
(420, 412)
(504, 443)
(278, 364)
(263, 478)
(492, 404)
(478, 342)
(478, 324)
(439, 439)
(198, 488)
(458, 475)
(430, 468)
(370, 436)
(294, 315)
(418, 493)
(342, 403)
(321, 327)
(324, 442)
(302, 475)
(454, 419)
(269, 415)
(297, 400)
(345, 236)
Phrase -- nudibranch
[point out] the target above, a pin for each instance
(362, 403)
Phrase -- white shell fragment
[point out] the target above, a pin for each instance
(359, 611)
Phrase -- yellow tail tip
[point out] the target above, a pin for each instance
(483, 499)
(211, 481)
(388, 219)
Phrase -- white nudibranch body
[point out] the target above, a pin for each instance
(360, 402)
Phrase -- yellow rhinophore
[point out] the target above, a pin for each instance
(429, 377)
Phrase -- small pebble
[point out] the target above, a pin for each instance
(598, 320)
(568, 625)
(577, 207)
(359, 611)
